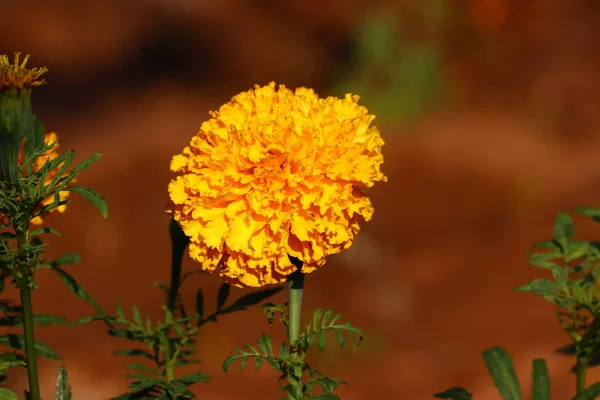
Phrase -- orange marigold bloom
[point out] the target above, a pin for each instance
(49, 139)
(276, 173)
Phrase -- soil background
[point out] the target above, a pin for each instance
(474, 180)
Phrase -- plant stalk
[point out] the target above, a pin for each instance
(28, 331)
(581, 373)
(295, 286)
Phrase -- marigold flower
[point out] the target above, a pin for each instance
(275, 173)
(49, 139)
(17, 76)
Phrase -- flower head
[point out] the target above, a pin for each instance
(17, 76)
(275, 173)
(51, 139)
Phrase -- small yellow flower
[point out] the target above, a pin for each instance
(49, 139)
(275, 173)
(17, 76)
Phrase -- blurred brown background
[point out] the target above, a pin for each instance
(490, 113)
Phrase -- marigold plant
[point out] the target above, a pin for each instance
(276, 173)
(51, 140)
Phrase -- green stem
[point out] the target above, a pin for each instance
(295, 286)
(28, 331)
(581, 371)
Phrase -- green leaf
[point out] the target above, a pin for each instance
(86, 319)
(72, 284)
(63, 386)
(134, 353)
(540, 287)
(577, 249)
(322, 340)
(45, 320)
(44, 230)
(197, 377)
(455, 393)
(591, 393)
(563, 227)
(137, 318)
(17, 342)
(143, 381)
(543, 260)
(540, 385)
(10, 360)
(82, 166)
(223, 295)
(143, 368)
(68, 259)
(6, 394)
(589, 212)
(93, 197)
(265, 345)
(501, 369)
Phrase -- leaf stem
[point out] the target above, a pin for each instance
(30, 354)
(295, 286)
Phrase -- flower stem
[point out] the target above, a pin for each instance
(28, 333)
(581, 372)
(295, 287)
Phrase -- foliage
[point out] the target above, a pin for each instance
(575, 268)
(289, 360)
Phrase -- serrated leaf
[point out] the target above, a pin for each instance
(6, 394)
(540, 381)
(540, 287)
(86, 319)
(340, 338)
(93, 197)
(543, 260)
(137, 318)
(264, 343)
(142, 367)
(589, 212)
(549, 245)
(68, 259)
(455, 393)
(134, 353)
(10, 360)
(46, 319)
(591, 393)
(45, 230)
(72, 284)
(563, 227)
(577, 249)
(17, 342)
(500, 367)
(197, 377)
(322, 340)
(142, 381)
(63, 386)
